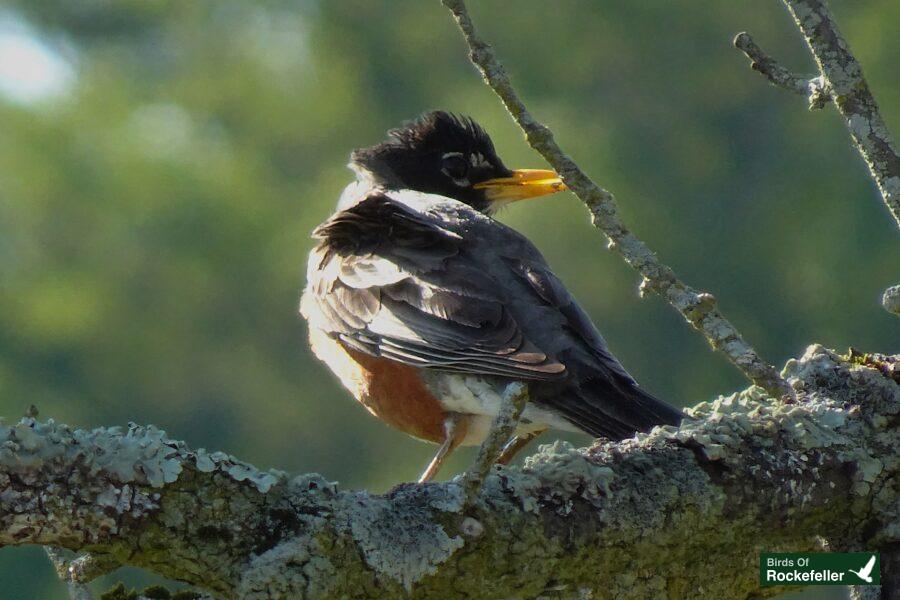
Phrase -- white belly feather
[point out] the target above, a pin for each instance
(481, 398)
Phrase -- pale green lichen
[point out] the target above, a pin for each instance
(569, 470)
(402, 545)
(296, 568)
(137, 454)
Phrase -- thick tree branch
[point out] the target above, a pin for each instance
(699, 308)
(841, 80)
(625, 519)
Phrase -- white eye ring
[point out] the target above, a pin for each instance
(460, 181)
(451, 155)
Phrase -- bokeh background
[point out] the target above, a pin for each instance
(162, 164)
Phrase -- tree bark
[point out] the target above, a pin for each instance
(677, 512)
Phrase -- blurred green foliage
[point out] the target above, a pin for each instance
(154, 220)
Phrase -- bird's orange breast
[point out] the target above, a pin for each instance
(390, 390)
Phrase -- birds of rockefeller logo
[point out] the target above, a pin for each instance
(819, 568)
(866, 572)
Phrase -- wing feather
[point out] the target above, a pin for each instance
(393, 282)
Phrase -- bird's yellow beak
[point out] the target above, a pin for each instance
(524, 183)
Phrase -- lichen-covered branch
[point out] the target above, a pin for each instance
(626, 519)
(841, 80)
(699, 308)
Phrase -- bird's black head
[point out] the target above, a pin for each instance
(452, 156)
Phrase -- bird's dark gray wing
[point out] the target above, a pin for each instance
(393, 282)
(598, 395)
(461, 292)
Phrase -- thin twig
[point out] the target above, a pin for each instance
(514, 398)
(698, 308)
(811, 87)
(841, 79)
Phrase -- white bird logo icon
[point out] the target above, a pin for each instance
(866, 572)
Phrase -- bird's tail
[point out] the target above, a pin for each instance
(617, 410)
(652, 411)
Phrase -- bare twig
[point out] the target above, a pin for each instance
(514, 398)
(841, 80)
(699, 308)
(811, 87)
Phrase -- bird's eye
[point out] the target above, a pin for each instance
(455, 166)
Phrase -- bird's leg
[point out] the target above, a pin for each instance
(514, 445)
(454, 432)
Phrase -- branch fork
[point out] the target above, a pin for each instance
(840, 81)
(813, 88)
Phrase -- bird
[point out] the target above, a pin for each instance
(866, 572)
(427, 308)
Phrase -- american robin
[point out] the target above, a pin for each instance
(426, 307)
